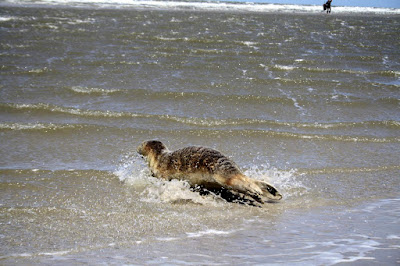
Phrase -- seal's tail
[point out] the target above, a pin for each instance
(258, 190)
(269, 191)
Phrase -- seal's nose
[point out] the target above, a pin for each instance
(139, 150)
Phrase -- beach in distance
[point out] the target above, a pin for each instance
(306, 101)
(209, 6)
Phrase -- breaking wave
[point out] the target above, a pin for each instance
(86, 90)
(387, 73)
(207, 122)
(348, 170)
(38, 126)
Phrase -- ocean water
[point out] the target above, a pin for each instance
(307, 101)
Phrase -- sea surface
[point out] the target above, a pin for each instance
(307, 101)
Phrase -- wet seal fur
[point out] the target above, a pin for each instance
(205, 169)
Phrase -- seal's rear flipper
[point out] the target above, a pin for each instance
(269, 191)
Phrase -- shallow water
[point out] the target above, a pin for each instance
(307, 102)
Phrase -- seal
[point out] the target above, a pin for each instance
(204, 167)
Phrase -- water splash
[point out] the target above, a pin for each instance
(287, 182)
(133, 171)
(177, 192)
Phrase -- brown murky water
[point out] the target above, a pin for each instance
(306, 101)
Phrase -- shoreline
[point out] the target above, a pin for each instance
(202, 6)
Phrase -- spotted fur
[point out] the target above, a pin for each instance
(204, 167)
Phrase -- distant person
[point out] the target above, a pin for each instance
(327, 6)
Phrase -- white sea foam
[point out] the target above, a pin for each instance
(167, 239)
(285, 181)
(87, 90)
(37, 126)
(174, 191)
(203, 6)
(357, 250)
(133, 171)
(26, 255)
(81, 21)
(6, 18)
(209, 232)
(286, 68)
(54, 253)
(250, 44)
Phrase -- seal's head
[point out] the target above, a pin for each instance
(153, 147)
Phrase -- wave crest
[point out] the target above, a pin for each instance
(87, 90)
(207, 122)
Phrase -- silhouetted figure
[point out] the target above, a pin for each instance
(327, 6)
